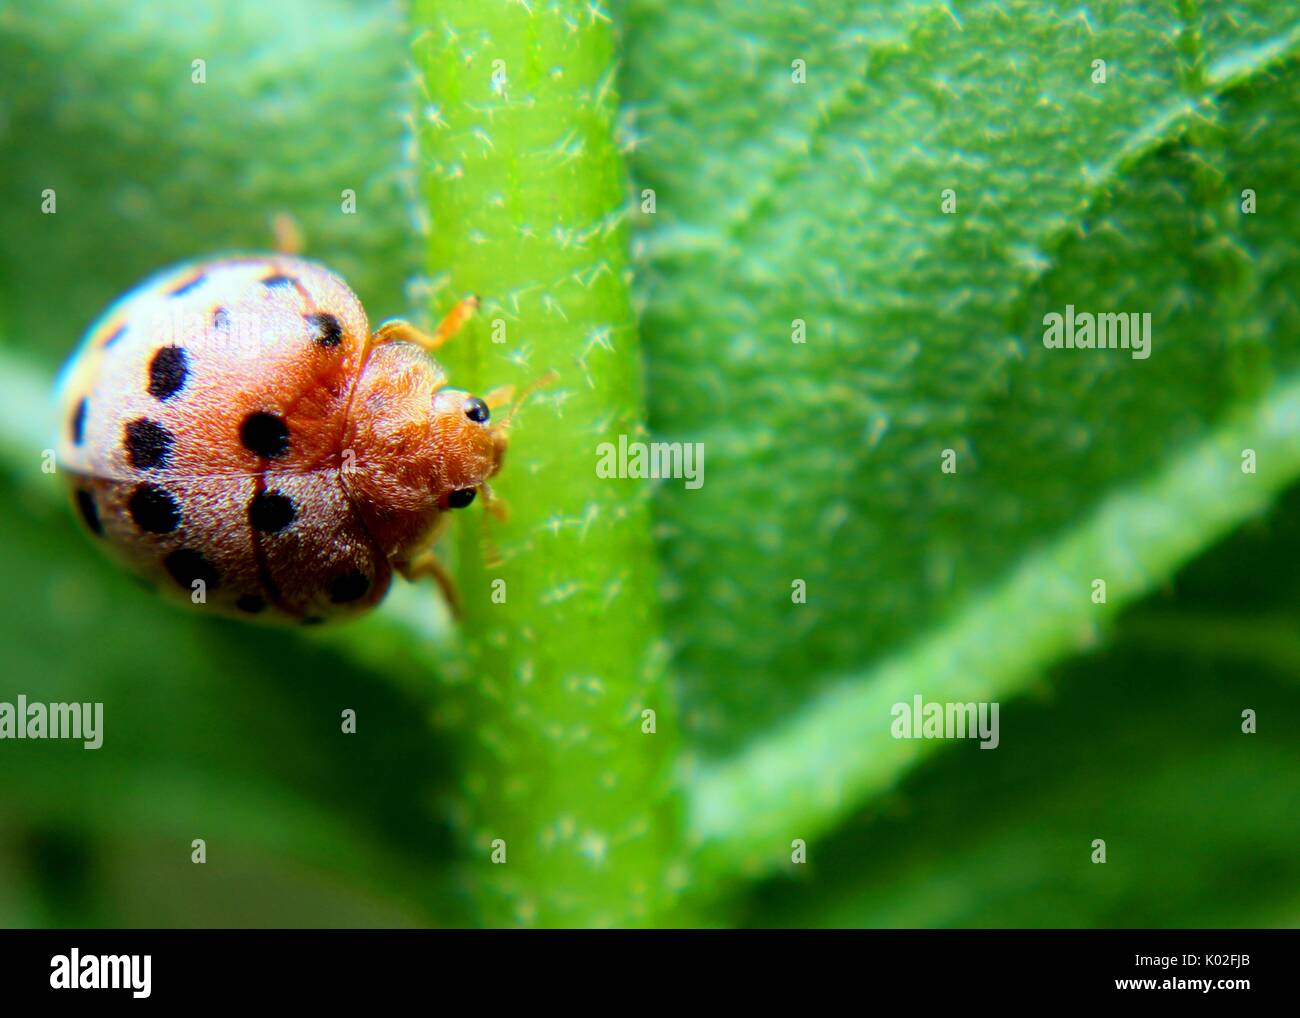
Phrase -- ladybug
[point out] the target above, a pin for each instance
(233, 432)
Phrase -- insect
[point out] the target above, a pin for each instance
(233, 432)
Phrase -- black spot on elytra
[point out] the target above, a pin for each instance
(148, 444)
(187, 565)
(114, 336)
(277, 280)
(251, 603)
(348, 587)
(167, 372)
(89, 513)
(221, 319)
(325, 329)
(270, 512)
(78, 423)
(154, 510)
(265, 434)
(186, 286)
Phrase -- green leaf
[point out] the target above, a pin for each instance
(1194, 814)
(822, 202)
(1140, 745)
(836, 752)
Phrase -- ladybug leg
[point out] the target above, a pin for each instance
(287, 234)
(496, 508)
(425, 564)
(404, 331)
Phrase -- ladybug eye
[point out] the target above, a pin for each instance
(476, 410)
(460, 499)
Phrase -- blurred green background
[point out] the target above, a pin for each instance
(774, 200)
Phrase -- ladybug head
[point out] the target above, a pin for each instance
(476, 447)
(469, 447)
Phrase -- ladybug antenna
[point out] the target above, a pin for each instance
(524, 393)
